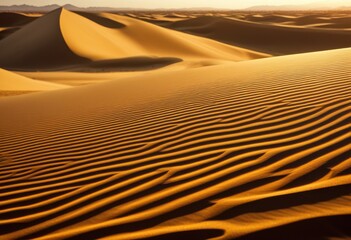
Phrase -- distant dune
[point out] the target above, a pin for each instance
(276, 40)
(11, 22)
(248, 150)
(319, 20)
(318, 5)
(14, 19)
(64, 39)
(322, 5)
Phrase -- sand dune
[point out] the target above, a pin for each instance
(4, 32)
(276, 40)
(327, 20)
(69, 37)
(248, 150)
(138, 38)
(14, 19)
(13, 83)
(38, 45)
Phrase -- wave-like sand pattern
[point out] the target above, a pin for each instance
(261, 149)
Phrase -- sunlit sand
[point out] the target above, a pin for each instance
(184, 125)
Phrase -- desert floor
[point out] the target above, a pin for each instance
(183, 125)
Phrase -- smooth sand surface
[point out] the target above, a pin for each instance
(249, 150)
(11, 82)
(62, 39)
(38, 45)
(9, 19)
(267, 38)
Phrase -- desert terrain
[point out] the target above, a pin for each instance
(175, 125)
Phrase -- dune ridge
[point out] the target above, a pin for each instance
(267, 38)
(8, 19)
(138, 38)
(245, 154)
(38, 45)
(319, 20)
(62, 39)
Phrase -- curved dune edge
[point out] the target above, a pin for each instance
(38, 45)
(14, 19)
(80, 39)
(10, 81)
(266, 38)
(138, 38)
(321, 20)
(223, 152)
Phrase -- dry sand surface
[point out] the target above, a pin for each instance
(13, 82)
(275, 39)
(61, 33)
(175, 136)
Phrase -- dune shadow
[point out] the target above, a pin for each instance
(267, 38)
(321, 228)
(101, 20)
(286, 201)
(191, 234)
(37, 46)
(7, 32)
(8, 19)
(125, 64)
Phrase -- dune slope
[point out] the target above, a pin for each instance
(8, 19)
(275, 40)
(38, 45)
(138, 38)
(11, 82)
(64, 39)
(245, 150)
(322, 20)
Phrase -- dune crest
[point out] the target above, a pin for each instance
(138, 38)
(14, 19)
(64, 39)
(275, 40)
(38, 45)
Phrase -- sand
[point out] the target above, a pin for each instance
(267, 38)
(60, 34)
(191, 139)
(11, 82)
(9, 19)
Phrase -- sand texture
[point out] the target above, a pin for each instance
(174, 136)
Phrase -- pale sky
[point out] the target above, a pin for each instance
(234, 4)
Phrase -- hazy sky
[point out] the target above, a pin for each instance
(172, 3)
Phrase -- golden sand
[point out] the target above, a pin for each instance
(220, 145)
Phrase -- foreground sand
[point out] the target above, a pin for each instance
(250, 150)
